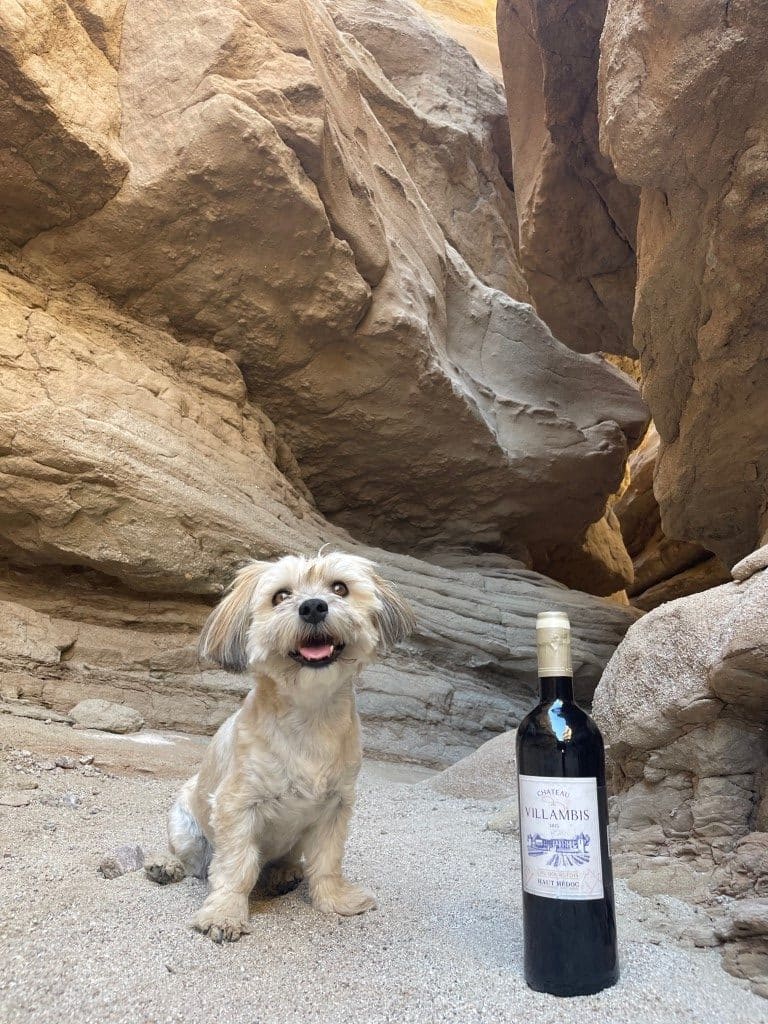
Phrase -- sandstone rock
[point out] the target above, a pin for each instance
(664, 569)
(744, 919)
(683, 96)
(506, 821)
(22, 709)
(702, 576)
(486, 774)
(467, 674)
(577, 222)
(599, 564)
(683, 709)
(448, 121)
(60, 159)
(473, 24)
(290, 316)
(106, 716)
(128, 857)
(340, 318)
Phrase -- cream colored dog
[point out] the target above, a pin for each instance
(277, 783)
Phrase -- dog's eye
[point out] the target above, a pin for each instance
(280, 596)
(340, 589)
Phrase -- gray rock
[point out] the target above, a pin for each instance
(489, 773)
(15, 799)
(128, 857)
(745, 918)
(106, 715)
(506, 821)
(683, 705)
(65, 762)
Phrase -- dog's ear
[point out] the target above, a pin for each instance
(395, 618)
(224, 637)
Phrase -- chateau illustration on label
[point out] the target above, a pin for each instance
(561, 851)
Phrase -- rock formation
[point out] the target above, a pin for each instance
(274, 217)
(287, 293)
(683, 706)
(684, 116)
(577, 222)
(663, 569)
(134, 467)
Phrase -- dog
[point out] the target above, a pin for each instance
(275, 791)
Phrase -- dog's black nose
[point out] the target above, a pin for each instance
(313, 610)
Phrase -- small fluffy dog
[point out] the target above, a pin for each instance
(275, 791)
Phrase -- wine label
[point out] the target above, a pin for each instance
(560, 838)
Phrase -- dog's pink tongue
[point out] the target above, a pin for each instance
(316, 653)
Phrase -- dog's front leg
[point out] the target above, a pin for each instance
(323, 847)
(233, 872)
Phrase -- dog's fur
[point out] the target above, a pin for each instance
(274, 793)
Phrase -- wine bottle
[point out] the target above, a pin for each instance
(569, 918)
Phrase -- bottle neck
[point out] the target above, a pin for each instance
(554, 688)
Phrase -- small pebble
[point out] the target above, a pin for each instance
(65, 762)
(87, 759)
(46, 766)
(15, 799)
(26, 784)
(128, 857)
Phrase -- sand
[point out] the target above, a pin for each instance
(444, 945)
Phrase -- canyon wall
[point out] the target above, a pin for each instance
(261, 291)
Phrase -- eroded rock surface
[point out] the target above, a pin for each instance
(683, 96)
(577, 221)
(290, 204)
(683, 707)
(284, 304)
(664, 569)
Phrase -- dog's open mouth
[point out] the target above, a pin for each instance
(318, 652)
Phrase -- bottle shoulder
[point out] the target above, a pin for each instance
(570, 713)
(551, 732)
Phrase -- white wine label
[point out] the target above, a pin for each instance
(560, 838)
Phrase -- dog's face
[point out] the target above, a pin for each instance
(307, 620)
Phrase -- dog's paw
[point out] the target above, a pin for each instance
(222, 920)
(222, 931)
(280, 878)
(342, 897)
(165, 869)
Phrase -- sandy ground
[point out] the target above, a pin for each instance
(444, 946)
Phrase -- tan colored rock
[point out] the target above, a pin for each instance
(133, 466)
(268, 326)
(471, 23)
(683, 710)
(254, 218)
(664, 569)
(106, 716)
(488, 773)
(683, 95)
(448, 121)
(577, 221)
(599, 563)
(60, 159)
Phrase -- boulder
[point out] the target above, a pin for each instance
(106, 716)
(682, 705)
(489, 773)
(291, 206)
(577, 221)
(60, 157)
(683, 97)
